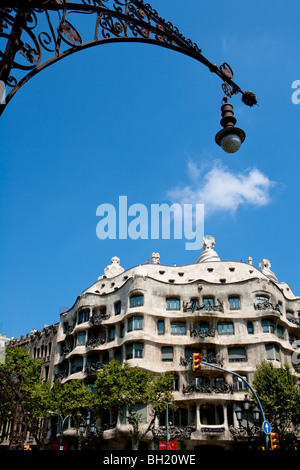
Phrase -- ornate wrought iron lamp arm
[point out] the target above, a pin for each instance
(39, 33)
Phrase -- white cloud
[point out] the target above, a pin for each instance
(220, 189)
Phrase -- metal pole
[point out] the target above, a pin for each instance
(61, 430)
(251, 388)
(167, 426)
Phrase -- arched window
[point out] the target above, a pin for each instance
(136, 300)
(83, 315)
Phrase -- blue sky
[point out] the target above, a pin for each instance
(140, 120)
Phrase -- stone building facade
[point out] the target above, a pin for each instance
(156, 316)
(40, 344)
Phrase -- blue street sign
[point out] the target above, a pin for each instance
(266, 427)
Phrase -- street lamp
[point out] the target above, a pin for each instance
(246, 403)
(239, 417)
(230, 138)
(61, 427)
(246, 406)
(256, 414)
(88, 430)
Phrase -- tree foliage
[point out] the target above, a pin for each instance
(123, 389)
(21, 386)
(71, 398)
(279, 394)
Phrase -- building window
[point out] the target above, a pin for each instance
(173, 304)
(292, 339)
(209, 355)
(76, 365)
(83, 316)
(290, 315)
(178, 328)
(122, 330)
(234, 303)
(176, 383)
(280, 332)
(209, 303)
(117, 307)
(167, 354)
(80, 339)
(250, 328)
(204, 327)
(211, 414)
(178, 417)
(202, 381)
(161, 327)
(111, 334)
(272, 352)
(137, 300)
(134, 351)
(239, 385)
(268, 325)
(237, 354)
(225, 328)
(118, 356)
(135, 323)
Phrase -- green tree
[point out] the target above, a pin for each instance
(23, 392)
(124, 389)
(72, 398)
(69, 399)
(279, 394)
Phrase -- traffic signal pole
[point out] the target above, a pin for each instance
(251, 388)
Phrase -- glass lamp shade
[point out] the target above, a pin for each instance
(238, 411)
(93, 428)
(230, 139)
(246, 403)
(256, 413)
(81, 428)
(231, 143)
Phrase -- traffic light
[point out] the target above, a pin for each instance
(196, 361)
(27, 447)
(274, 441)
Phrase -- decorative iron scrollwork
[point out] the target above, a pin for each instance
(243, 432)
(193, 306)
(176, 433)
(203, 333)
(40, 32)
(207, 388)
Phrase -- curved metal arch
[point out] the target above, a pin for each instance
(30, 48)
